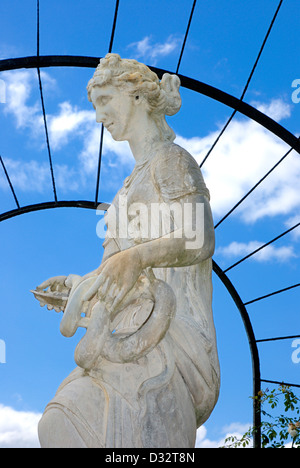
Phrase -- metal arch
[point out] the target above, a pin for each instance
(221, 275)
(253, 349)
(51, 205)
(217, 270)
(189, 83)
(209, 91)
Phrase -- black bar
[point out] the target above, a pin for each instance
(189, 83)
(247, 84)
(46, 61)
(218, 138)
(261, 49)
(253, 188)
(281, 383)
(262, 247)
(114, 27)
(102, 128)
(9, 182)
(253, 349)
(99, 164)
(51, 205)
(278, 338)
(272, 294)
(42, 100)
(186, 35)
(47, 135)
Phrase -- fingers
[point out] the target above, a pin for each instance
(44, 285)
(110, 297)
(54, 283)
(108, 287)
(105, 287)
(106, 290)
(118, 299)
(94, 288)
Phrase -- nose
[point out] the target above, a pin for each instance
(100, 117)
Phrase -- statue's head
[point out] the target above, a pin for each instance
(136, 79)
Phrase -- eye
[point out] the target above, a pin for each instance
(103, 100)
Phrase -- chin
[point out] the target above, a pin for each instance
(117, 137)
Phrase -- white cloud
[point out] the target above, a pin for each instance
(19, 89)
(147, 49)
(34, 176)
(276, 109)
(26, 176)
(118, 154)
(69, 122)
(243, 155)
(68, 179)
(18, 429)
(235, 429)
(291, 222)
(203, 442)
(241, 249)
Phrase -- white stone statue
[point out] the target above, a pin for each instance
(148, 370)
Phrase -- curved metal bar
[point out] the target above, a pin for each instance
(49, 205)
(253, 348)
(219, 272)
(211, 92)
(189, 83)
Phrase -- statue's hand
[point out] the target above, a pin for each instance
(53, 292)
(59, 283)
(116, 277)
(56, 283)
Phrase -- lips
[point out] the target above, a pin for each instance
(108, 126)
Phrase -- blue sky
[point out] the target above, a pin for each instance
(222, 46)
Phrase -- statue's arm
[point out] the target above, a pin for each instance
(119, 273)
(190, 243)
(180, 186)
(178, 179)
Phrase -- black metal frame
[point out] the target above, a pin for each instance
(237, 104)
(192, 84)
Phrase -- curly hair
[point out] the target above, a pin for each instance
(163, 97)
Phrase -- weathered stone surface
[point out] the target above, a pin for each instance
(148, 371)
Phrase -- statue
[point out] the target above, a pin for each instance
(147, 370)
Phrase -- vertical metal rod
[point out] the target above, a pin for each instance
(248, 81)
(186, 35)
(9, 181)
(253, 349)
(102, 128)
(99, 165)
(253, 188)
(262, 247)
(42, 102)
(114, 27)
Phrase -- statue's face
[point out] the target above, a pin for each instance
(115, 109)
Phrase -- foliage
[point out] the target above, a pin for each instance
(276, 430)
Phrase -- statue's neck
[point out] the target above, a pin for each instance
(145, 138)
